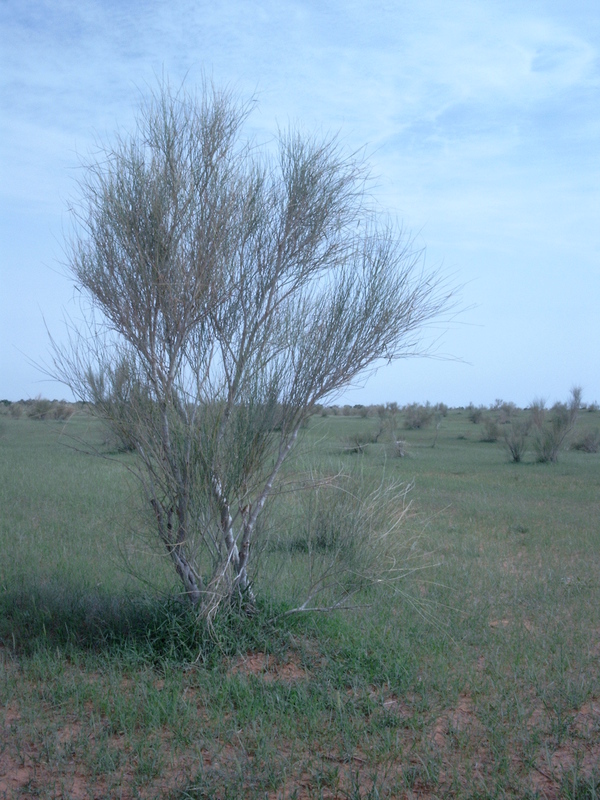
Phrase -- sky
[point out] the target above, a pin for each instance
(480, 119)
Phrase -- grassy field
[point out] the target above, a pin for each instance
(479, 679)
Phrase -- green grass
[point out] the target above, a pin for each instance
(479, 679)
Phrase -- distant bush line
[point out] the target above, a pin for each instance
(545, 431)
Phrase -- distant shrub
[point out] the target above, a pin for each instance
(39, 408)
(16, 410)
(592, 407)
(475, 414)
(506, 412)
(358, 442)
(388, 416)
(491, 430)
(442, 409)
(62, 410)
(417, 416)
(588, 443)
(552, 429)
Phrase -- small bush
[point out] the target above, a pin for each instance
(588, 443)
(417, 416)
(552, 429)
(515, 439)
(491, 430)
(62, 411)
(16, 410)
(475, 414)
(358, 442)
(40, 408)
(441, 409)
(504, 411)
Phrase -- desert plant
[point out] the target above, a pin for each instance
(515, 438)
(551, 429)
(475, 414)
(491, 430)
(39, 408)
(399, 448)
(589, 442)
(357, 442)
(350, 528)
(16, 410)
(232, 293)
(417, 416)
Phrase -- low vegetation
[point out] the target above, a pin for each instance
(472, 675)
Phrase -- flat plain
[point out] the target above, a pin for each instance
(476, 676)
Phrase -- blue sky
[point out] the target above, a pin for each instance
(481, 121)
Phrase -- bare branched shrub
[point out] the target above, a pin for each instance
(388, 417)
(357, 442)
(515, 438)
(228, 293)
(551, 429)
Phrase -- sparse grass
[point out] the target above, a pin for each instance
(478, 679)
